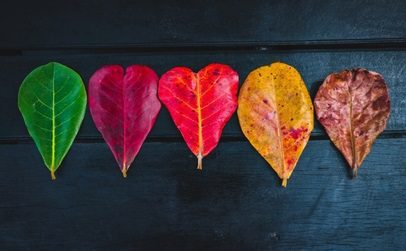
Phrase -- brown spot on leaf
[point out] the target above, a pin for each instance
(379, 103)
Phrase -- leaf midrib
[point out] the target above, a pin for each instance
(199, 116)
(281, 147)
(53, 123)
(352, 139)
(124, 171)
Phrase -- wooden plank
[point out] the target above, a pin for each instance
(236, 203)
(313, 65)
(160, 23)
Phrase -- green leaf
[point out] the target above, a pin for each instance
(52, 100)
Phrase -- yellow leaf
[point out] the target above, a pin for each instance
(276, 115)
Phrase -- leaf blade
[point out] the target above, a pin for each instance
(37, 101)
(354, 107)
(276, 115)
(124, 107)
(193, 100)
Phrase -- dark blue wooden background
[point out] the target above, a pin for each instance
(236, 203)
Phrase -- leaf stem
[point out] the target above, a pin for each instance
(284, 182)
(354, 171)
(199, 161)
(124, 171)
(53, 177)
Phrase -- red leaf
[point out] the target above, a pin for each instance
(200, 103)
(124, 107)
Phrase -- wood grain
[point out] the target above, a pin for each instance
(236, 203)
(122, 23)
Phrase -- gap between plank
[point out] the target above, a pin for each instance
(363, 44)
(388, 134)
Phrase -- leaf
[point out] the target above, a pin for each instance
(200, 104)
(52, 100)
(124, 107)
(353, 106)
(276, 115)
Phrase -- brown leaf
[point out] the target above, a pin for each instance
(353, 106)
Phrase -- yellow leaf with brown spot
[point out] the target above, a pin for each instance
(276, 115)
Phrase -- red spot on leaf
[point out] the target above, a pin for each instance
(296, 133)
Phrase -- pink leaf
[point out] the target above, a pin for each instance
(124, 107)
